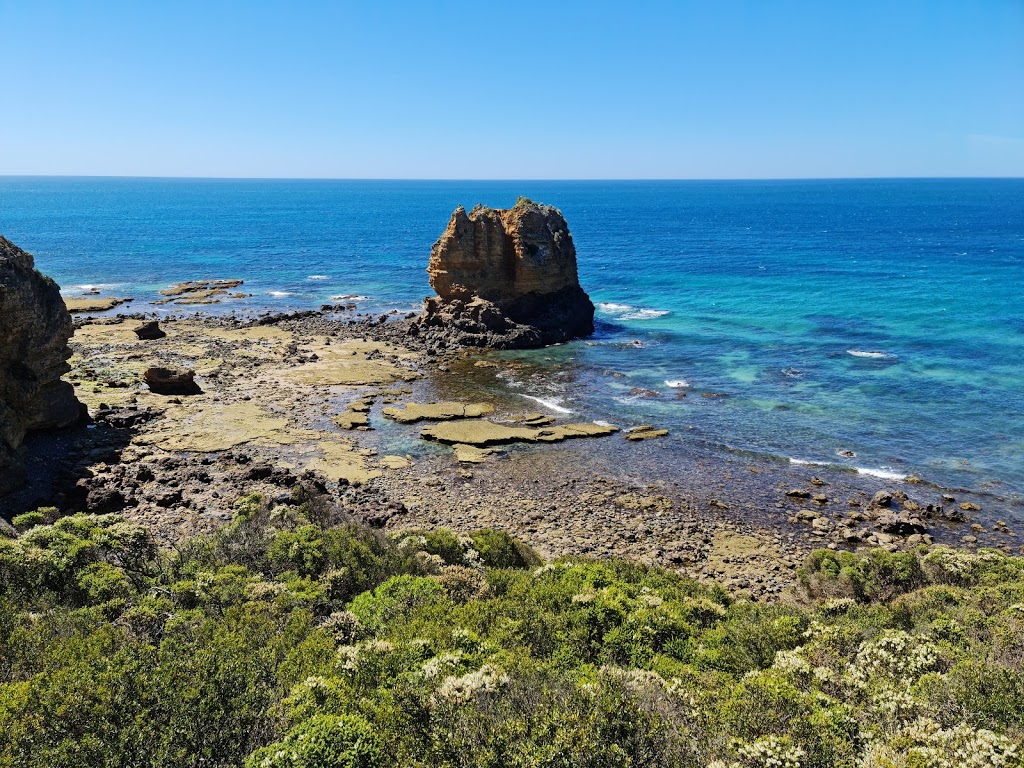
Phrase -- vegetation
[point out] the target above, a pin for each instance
(294, 639)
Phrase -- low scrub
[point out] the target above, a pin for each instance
(291, 639)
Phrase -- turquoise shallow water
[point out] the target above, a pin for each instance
(758, 291)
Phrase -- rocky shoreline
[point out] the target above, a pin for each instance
(300, 399)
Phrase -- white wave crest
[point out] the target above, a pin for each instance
(870, 353)
(645, 314)
(808, 463)
(629, 312)
(611, 308)
(89, 288)
(279, 294)
(552, 403)
(677, 383)
(318, 277)
(883, 473)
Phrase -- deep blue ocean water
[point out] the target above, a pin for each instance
(757, 290)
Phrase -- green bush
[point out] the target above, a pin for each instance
(500, 550)
(323, 741)
(292, 638)
(29, 520)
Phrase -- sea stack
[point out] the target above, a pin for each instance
(505, 279)
(34, 330)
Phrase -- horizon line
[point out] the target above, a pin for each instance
(498, 179)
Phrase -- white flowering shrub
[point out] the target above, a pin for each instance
(343, 626)
(791, 663)
(461, 689)
(350, 657)
(894, 656)
(924, 743)
(836, 606)
(767, 752)
(442, 664)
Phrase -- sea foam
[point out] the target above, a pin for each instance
(629, 312)
(870, 353)
(884, 474)
(551, 403)
(808, 463)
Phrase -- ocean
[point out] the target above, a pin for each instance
(871, 325)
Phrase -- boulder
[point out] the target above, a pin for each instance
(34, 330)
(150, 330)
(166, 381)
(506, 279)
(900, 524)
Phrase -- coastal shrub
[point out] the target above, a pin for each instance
(397, 595)
(500, 550)
(294, 637)
(876, 575)
(51, 558)
(323, 741)
(28, 520)
(439, 542)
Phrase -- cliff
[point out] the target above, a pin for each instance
(34, 330)
(505, 278)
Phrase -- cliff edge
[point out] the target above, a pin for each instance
(34, 330)
(505, 278)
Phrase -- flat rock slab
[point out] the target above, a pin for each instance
(470, 454)
(482, 433)
(347, 363)
(200, 292)
(646, 434)
(413, 412)
(352, 419)
(216, 427)
(93, 304)
(395, 462)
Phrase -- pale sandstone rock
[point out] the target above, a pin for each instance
(413, 412)
(505, 278)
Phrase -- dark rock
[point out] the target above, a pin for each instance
(900, 525)
(168, 498)
(150, 330)
(165, 381)
(34, 330)
(124, 417)
(101, 500)
(881, 499)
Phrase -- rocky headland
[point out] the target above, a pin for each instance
(34, 330)
(505, 278)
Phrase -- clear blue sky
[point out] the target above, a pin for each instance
(378, 89)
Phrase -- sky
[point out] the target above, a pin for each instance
(525, 90)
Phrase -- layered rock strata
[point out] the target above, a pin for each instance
(34, 330)
(505, 279)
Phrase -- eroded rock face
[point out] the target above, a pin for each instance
(507, 279)
(34, 330)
